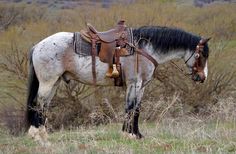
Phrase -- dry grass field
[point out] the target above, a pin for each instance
(189, 134)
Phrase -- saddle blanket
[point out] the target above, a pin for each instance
(84, 48)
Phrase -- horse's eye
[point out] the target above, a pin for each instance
(197, 55)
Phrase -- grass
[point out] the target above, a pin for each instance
(181, 135)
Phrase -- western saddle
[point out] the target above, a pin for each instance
(113, 45)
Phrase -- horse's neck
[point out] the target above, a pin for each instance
(162, 57)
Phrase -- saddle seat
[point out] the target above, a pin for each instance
(107, 36)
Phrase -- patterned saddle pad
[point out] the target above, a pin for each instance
(84, 48)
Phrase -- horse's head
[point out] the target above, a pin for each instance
(197, 61)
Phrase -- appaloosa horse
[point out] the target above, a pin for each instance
(54, 59)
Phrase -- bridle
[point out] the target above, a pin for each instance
(197, 54)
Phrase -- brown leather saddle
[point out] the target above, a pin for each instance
(113, 45)
(110, 40)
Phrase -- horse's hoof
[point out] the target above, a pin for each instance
(139, 136)
(43, 132)
(39, 135)
(133, 136)
(136, 136)
(33, 132)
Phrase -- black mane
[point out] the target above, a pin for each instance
(166, 39)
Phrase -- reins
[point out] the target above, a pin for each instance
(180, 69)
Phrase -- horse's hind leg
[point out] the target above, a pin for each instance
(134, 94)
(45, 94)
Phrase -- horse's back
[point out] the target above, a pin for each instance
(60, 40)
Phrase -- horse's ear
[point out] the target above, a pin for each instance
(208, 39)
(204, 41)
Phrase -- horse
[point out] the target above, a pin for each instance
(53, 60)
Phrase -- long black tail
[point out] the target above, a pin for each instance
(33, 85)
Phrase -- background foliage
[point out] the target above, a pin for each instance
(170, 94)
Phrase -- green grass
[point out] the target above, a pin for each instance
(185, 136)
(231, 44)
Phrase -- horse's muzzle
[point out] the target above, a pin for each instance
(199, 77)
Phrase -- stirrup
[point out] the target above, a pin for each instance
(109, 72)
(115, 72)
(112, 72)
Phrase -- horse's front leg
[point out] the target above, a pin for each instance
(134, 94)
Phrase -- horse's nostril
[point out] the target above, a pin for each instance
(197, 77)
